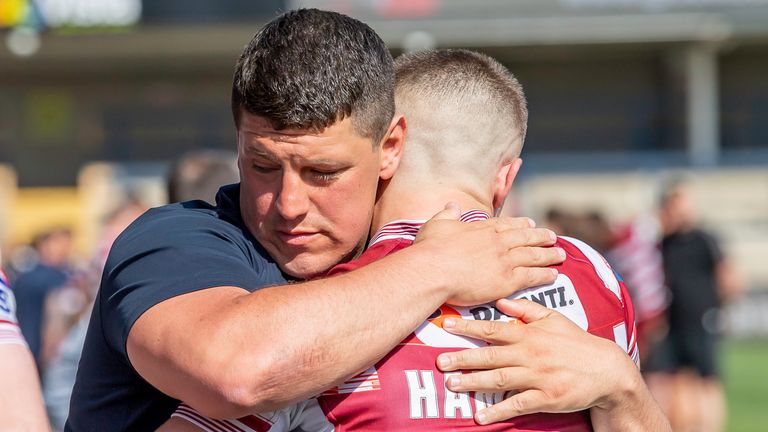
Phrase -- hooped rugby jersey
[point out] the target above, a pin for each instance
(10, 333)
(406, 392)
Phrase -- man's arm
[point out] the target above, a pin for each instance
(20, 397)
(227, 352)
(631, 409)
(555, 366)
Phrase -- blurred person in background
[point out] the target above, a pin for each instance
(594, 229)
(21, 404)
(32, 288)
(199, 174)
(700, 280)
(68, 312)
(636, 256)
(559, 220)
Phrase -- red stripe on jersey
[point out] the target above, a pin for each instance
(407, 229)
(258, 424)
(209, 425)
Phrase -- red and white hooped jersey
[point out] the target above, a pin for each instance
(406, 392)
(637, 257)
(10, 333)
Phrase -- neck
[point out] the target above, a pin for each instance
(421, 202)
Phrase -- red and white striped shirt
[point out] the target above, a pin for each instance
(406, 392)
(637, 257)
(9, 325)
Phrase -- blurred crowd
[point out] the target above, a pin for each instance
(679, 280)
(54, 288)
(677, 275)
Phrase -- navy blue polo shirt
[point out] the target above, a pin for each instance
(168, 251)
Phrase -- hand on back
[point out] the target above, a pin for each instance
(487, 260)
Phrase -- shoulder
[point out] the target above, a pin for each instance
(180, 224)
(177, 217)
(705, 236)
(374, 253)
(583, 261)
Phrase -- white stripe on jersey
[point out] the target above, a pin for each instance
(600, 264)
(187, 413)
(607, 275)
(407, 229)
(10, 333)
(620, 336)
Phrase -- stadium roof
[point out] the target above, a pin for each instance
(413, 24)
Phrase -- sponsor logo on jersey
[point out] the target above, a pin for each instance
(561, 296)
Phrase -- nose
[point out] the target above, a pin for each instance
(293, 201)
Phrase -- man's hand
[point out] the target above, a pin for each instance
(553, 365)
(495, 258)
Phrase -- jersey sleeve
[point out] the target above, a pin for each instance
(275, 421)
(630, 322)
(607, 305)
(165, 254)
(10, 333)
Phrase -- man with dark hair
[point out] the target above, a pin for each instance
(185, 312)
(186, 309)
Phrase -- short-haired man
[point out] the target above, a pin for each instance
(467, 151)
(314, 105)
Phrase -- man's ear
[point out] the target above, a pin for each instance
(392, 147)
(503, 182)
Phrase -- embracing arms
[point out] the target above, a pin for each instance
(227, 352)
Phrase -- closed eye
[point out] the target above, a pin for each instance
(265, 169)
(326, 175)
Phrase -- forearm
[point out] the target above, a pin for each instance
(255, 352)
(21, 399)
(632, 408)
(329, 330)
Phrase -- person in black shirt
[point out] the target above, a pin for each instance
(700, 281)
(32, 288)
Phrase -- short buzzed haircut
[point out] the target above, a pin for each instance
(466, 113)
(308, 69)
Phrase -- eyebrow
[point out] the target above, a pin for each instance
(326, 163)
(256, 152)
